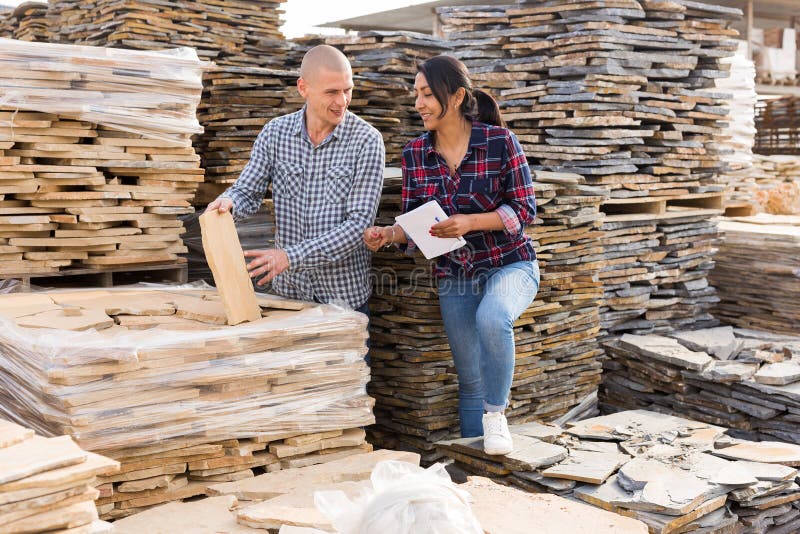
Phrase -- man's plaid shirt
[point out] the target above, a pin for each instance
(494, 176)
(325, 197)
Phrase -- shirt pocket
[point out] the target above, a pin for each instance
(338, 183)
(287, 181)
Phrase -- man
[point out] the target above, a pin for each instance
(326, 169)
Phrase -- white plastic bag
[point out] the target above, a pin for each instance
(405, 499)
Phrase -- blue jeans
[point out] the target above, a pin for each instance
(479, 315)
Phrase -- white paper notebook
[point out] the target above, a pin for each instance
(417, 225)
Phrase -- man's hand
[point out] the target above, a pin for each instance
(272, 262)
(376, 237)
(223, 204)
(455, 226)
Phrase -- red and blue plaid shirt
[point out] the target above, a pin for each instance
(494, 176)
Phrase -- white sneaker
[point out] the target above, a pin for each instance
(496, 437)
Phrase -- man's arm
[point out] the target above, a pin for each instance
(247, 193)
(362, 206)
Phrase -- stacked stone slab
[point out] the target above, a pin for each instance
(96, 159)
(743, 379)
(237, 103)
(739, 136)
(47, 484)
(226, 31)
(673, 474)
(156, 380)
(756, 273)
(28, 22)
(611, 91)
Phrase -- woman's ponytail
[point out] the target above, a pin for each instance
(487, 110)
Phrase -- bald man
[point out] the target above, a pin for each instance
(326, 170)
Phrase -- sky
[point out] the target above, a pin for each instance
(302, 15)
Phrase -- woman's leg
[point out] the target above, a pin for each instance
(458, 301)
(509, 291)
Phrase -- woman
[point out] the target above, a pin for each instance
(476, 170)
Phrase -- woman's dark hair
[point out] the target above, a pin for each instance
(445, 74)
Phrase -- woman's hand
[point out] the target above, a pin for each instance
(376, 237)
(455, 226)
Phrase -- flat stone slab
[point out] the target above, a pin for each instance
(770, 452)
(297, 508)
(271, 485)
(769, 472)
(729, 371)
(541, 431)
(504, 510)
(778, 374)
(207, 516)
(585, 466)
(719, 342)
(666, 350)
(622, 426)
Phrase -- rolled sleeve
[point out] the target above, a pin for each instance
(519, 198)
(510, 219)
(247, 193)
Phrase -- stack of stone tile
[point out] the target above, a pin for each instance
(225, 31)
(48, 484)
(738, 137)
(96, 159)
(153, 378)
(384, 66)
(28, 22)
(237, 103)
(756, 273)
(558, 357)
(673, 474)
(743, 379)
(6, 25)
(613, 94)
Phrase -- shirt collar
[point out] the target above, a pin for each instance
(301, 130)
(478, 138)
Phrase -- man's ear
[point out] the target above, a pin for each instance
(302, 87)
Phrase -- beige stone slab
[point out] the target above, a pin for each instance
(769, 452)
(585, 466)
(95, 465)
(206, 516)
(297, 508)
(226, 260)
(504, 510)
(12, 433)
(350, 438)
(321, 457)
(199, 309)
(270, 485)
(22, 304)
(67, 513)
(36, 455)
(161, 481)
(68, 319)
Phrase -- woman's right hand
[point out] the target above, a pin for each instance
(376, 237)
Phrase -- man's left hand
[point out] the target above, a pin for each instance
(454, 226)
(270, 261)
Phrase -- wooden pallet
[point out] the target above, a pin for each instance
(661, 207)
(156, 273)
(739, 209)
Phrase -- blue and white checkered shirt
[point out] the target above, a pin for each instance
(325, 197)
